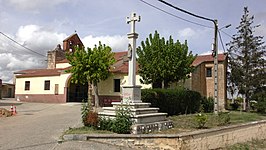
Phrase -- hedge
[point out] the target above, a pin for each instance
(172, 101)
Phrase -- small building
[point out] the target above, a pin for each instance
(7, 90)
(202, 79)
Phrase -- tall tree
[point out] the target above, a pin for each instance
(92, 66)
(162, 62)
(246, 59)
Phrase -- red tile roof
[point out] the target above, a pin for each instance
(72, 35)
(120, 66)
(120, 55)
(123, 68)
(40, 72)
(207, 58)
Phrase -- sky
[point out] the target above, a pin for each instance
(40, 25)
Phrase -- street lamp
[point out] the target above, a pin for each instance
(227, 26)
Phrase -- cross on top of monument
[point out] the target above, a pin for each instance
(132, 19)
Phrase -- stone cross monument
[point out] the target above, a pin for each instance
(145, 119)
(132, 92)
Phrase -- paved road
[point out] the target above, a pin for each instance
(38, 126)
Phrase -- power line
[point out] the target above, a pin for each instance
(226, 34)
(187, 12)
(221, 40)
(175, 15)
(22, 45)
(11, 45)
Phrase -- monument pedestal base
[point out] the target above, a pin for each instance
(145, 119)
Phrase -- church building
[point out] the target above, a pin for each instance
(53, 84)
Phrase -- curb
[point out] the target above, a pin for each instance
(183, 135)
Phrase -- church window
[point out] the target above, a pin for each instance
(116, 85)
(47, 85)
(27, 85)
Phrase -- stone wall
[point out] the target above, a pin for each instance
(200, 140)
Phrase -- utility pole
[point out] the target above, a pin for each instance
(214, 50)
(215, 55)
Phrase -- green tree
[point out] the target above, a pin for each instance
(162, 62)
(92, 66)
(246, 59)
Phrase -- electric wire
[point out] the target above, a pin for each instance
(11, 45)
(226, 34)
(221, 40)
(21, 45)
(174, 15)
(187, 12)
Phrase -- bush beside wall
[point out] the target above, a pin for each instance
(172, 101)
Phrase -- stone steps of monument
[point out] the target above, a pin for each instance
(148, 118)
(139, 118)
(134, 111)
(131, 105)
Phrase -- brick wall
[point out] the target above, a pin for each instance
(205, 85)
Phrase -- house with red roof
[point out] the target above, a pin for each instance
(53, 84)
(202, 78)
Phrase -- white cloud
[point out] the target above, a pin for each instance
(34, 5)
(10, 63)
(14, 57)
(198, 39)
(187, 32)
(39, 38)
(117, 42)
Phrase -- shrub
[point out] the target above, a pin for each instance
(201, 120)
(235, 105)
(207, 104)
(223, 118)
(91, 119)
(105, 124)
(172, 101)
(261, 104)
(122, 122)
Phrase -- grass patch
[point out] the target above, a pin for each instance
(243, 117)
(185, 123)
(86, 130)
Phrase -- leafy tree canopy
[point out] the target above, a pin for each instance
(91, 65)
(162, 62)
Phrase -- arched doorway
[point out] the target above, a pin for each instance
(77, 92)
